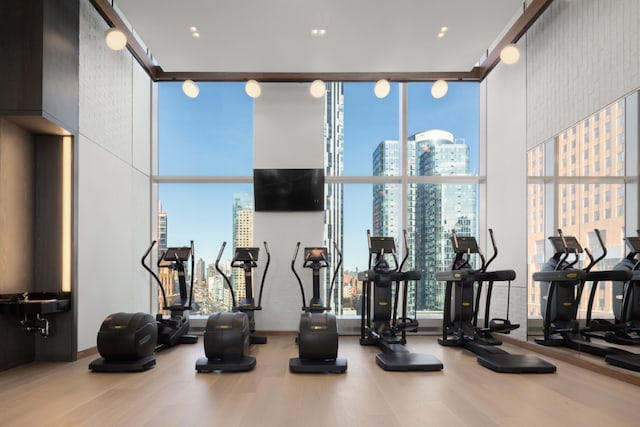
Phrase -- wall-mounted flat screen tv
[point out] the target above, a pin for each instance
(288, 190)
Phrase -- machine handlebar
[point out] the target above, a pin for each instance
(224, 276)
(293, 268)
(153, 274)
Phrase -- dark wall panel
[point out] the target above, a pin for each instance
(21, 57)
(39, 54)
(61, 53)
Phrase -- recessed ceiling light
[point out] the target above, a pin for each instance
(444, 29)
(440, 35)
(318, 32)
(193, 29)
(196, 35)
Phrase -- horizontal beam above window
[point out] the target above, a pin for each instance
(197, 179)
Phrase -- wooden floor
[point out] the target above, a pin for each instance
(173, 394)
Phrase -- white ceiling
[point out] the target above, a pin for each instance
(361, 35)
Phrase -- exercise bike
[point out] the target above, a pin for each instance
(127, 341)
(463, 292)
(227, 335)
(383, 287)
(318, 332)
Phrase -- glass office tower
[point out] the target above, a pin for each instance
(439, 209)
(334, 166)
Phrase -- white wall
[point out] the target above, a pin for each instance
(503, 97)
(113, 181)
(288, 133)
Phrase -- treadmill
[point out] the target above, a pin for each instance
(463, 291)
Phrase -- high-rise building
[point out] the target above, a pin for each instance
(165, 275)
(162, 228)
(386, 197)
(200, 271)
(440, 209)
(334, 166)
(242, 236)
(387, 203)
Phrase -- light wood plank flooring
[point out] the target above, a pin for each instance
(173, 394)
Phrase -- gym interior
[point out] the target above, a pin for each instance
(79, 205)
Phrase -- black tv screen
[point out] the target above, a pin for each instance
(288, 190)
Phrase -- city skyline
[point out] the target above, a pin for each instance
(212, 135)
(602, 133)
(433, 152)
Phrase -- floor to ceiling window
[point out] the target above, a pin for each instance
(205, 164)
(405, 162)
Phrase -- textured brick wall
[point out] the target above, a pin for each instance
(105, 88)
(581, 55)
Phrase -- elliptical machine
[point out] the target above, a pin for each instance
(383, 288)
(462, 305)
(127, 341)
(625, 328)
(561, 289)
(246, 259)
(318, 332)
(174, 329)
(227, 335)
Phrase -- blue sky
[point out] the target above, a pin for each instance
(213, 135)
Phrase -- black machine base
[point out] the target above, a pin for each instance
(242, 365)
(405, 361)
(189, 339)
(301, 366)
(626, 361)
(554, 341)
(621, 338)
(516, 364)
(138, 365)
(491, 356)
(255, 339)
(184, 339)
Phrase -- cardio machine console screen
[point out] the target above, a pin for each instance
(379, 244)
(566, 244)
(634, 243)
(464, 244)
(315, 254)
(246, 254)
(175, 254)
